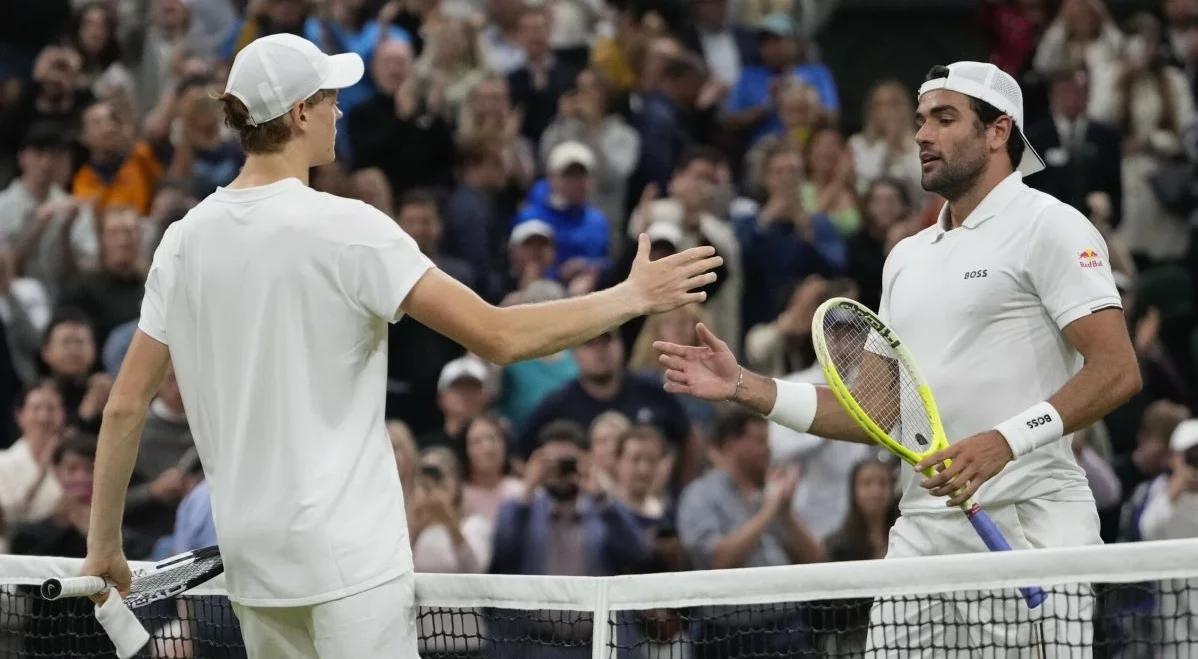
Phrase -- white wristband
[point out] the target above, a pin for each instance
(122, 627)
(1038, 425)
(794, 406)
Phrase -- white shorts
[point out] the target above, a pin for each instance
(988, 624)
(380, 622)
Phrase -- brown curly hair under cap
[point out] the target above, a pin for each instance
(269, 137)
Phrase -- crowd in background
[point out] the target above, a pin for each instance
(524, 145)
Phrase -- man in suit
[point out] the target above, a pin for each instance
(723, 45)
(1081, 155)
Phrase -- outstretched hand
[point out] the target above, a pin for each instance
(708, 370)
(667, 283)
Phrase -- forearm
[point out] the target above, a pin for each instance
(536, 330)
(116, 452)
(1098, 388)
(801, 546)
(760, 394)
(732, 549)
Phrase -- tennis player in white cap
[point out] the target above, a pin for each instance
(272, 301)
(1009, 307)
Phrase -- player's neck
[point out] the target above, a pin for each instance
(965, 203)
(266, 168)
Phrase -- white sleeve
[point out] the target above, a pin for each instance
(160, 284)
(1068, 266)
(379, 265)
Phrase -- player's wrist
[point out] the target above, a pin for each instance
(1037, 426)
(794, 405)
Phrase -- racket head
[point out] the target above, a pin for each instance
(872, 374)
(174, 576)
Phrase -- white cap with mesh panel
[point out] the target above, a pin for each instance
(986, 82)
(273, 73)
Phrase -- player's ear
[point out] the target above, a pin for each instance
(1002, 129)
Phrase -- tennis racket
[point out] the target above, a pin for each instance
(874, 377)
(168, 578)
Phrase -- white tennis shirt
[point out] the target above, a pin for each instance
(274, 302)
(982, 309)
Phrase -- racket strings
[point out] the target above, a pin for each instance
(186, 574)
(881, 385)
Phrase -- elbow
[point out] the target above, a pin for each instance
(1129, 381)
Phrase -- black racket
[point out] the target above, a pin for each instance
(168, 578)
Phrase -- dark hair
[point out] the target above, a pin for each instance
(563, 430)
(418, 197)
(897, 185)
(67, 316)
(732, 422)
(641, 432)
(79, 444)
(269, 137)
(477, 151)
(988, 114)
(112, 50)
(43, 136)
(683, 65)
(27, 391)
(460, 442)
(853, 535)
(702, 153)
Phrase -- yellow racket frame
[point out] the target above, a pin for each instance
(845, 395)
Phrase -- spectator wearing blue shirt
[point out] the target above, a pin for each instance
(346, 26)
(751, 105)
(563, 202)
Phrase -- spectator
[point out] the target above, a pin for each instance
(580, 231)
(1148, 461)
(420, 218)
(621, 55)
(642, 472)
(725, 46)
(502, 48)
(488, 116)
(542, 79)
(1082, 156)
(29, 490)
(23, 311)
(750, 107)
(828, 184)
(677, 326)
(784, 344)
(194, 528)
(450, 66)
(396, 130)
(119, 169)
(739, 514)
(69, 353)
(532, 252)
(462, 394)
(587, 115)
(1172, 508)
(487, 480)
(54, 97)
(688, 207)
(204, 155)
(262, 18)
(64, 533)
(164, 462)
(111, 295)
(174, 29)
(36, 212)
(884, 204)
(663, 117)
(1151, 104)
(800, 113)
(94, 37)
(370, 186)
(444, 538)
(1104, 484)
(554, 527)
(348, 26)
(1081, 35)
(886, 147)
(477, 231)
(604, 384)
(603, 438)
(527, 383)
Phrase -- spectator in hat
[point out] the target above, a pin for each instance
(1172, 508)
(562, 200)
(531, 254)
(750, 106)
(35, 210)
(463, 392)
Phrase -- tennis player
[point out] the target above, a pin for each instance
(1009, 308)
(272, 302)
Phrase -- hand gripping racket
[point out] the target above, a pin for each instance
(165, 579)
(874, 377)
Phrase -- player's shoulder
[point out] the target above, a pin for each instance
(350, 221)
(1032, 207)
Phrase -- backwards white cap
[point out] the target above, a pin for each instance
(273, 73)
(986, 82)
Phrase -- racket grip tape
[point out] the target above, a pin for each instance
(53, 589)
(988, 531)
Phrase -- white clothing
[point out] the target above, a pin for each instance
(981, 309)
(722, 55)
(1164, 519)
(25, 494)
(821, 499)
(379, 622)
(274, 302)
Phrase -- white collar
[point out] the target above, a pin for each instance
(994, 202)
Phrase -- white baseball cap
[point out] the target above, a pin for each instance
(663, 231)
(463, 368)
(570, 153)
(274, 73)
(528, 229)
(1184, 436)
(986, 82)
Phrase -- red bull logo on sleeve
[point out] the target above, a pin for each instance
(1088, 258)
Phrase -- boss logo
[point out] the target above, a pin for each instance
(1038, 421)
(976, 274)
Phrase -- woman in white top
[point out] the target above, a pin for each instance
(886, 147)
(1082, 34)
(28, 489)
(486, 466)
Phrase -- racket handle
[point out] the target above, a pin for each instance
(53, 589)
(988, 531)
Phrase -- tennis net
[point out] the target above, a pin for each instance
(1126, 601)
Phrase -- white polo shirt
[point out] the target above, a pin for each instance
(274, 302)
(981, 308)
